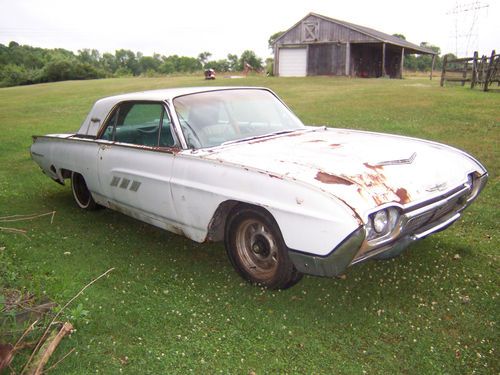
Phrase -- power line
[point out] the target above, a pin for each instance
(466, 9)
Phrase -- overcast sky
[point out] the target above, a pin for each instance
(188, 27)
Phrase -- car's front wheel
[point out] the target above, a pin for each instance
(256, 249)
(81, 193)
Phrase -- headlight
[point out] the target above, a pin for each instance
(381, 223)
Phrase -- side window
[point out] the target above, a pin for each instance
(140, 123)
(110, 127)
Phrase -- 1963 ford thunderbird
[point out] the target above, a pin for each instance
(235, 164)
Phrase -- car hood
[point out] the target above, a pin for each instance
(363, 169)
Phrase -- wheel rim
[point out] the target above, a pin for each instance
(82, 193)
(256, 248)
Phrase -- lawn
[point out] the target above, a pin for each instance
(174, 306)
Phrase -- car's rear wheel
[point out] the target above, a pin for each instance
(81, 193)
(256, 249)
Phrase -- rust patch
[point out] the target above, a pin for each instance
(274, 176)
(168, 150)
(374, 167)
(335, 145)
(316, 141)
(327, 178)
(402, 195)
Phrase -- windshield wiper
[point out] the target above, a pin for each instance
(279, 132)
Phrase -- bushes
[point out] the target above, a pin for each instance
(65, 69)
(24, 65)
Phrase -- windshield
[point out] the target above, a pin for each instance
(212, 118)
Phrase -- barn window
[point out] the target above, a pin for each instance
(310, 31)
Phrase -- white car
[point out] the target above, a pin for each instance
(235, 164)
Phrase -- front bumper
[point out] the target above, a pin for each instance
(416, 224)
(333, 264)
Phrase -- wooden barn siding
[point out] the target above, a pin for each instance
(328, 32)
(326, 59)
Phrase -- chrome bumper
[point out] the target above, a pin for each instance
(415, 224)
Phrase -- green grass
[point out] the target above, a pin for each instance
(175, 306)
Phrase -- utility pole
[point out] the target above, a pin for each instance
(467, 30)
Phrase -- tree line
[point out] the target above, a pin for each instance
(24, 65)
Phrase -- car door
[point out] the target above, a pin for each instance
(136, 153)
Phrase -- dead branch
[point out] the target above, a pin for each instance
(28, 330)
(14, 230)
(12, 218)
(42, 339)
(26, 217)
(48, 348)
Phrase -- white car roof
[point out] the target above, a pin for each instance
(102, 107)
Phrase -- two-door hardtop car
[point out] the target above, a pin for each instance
(235, 164)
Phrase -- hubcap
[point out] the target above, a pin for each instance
(257, 249)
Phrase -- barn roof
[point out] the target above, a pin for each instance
(383, 37)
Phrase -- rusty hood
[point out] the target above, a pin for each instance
(363, 169)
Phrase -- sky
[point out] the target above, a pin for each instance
(188, 27)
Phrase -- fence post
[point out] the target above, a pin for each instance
(432, 66)
(474, 70)
(489, 71)
(464, 74)
(443, 71)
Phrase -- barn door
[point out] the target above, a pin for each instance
(292, 62)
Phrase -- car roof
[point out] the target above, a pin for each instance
(170, 93)
(103, 106)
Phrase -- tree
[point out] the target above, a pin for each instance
(126, 60)
(219, 65)
(400, 36)
(272, 39)
(203, 57)
(148, 63)
(108, 62)
(233, 62)
(269, 66)
(13, 75)
(89, 56)
(250, 58)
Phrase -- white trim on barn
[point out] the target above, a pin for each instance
(292, 62)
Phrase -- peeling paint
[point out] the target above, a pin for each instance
(327, 178)
(374, 167)
(403, 195)
(335, 145)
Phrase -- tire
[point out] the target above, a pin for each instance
(81, 193)
(256, 249)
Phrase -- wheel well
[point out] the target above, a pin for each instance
(218, 222)
(65, 173)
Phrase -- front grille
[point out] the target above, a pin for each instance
(435, 213)
(417, 222)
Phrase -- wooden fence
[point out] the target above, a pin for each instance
(482, 71)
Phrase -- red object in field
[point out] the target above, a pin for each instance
(209, 74)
